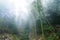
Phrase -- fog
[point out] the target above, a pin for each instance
(17, 9)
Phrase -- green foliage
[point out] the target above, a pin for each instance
(53, 17)
(25, 33)
(52, 36)
(38, 27)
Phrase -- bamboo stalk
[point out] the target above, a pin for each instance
(42, 27)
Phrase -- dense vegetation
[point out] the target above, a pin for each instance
(46, 25)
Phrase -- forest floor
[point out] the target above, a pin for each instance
(8, 37)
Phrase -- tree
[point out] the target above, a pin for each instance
(53, 15)
(37, 13)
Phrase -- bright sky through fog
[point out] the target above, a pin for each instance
(21, 8)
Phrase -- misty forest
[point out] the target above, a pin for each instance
(29, 19)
